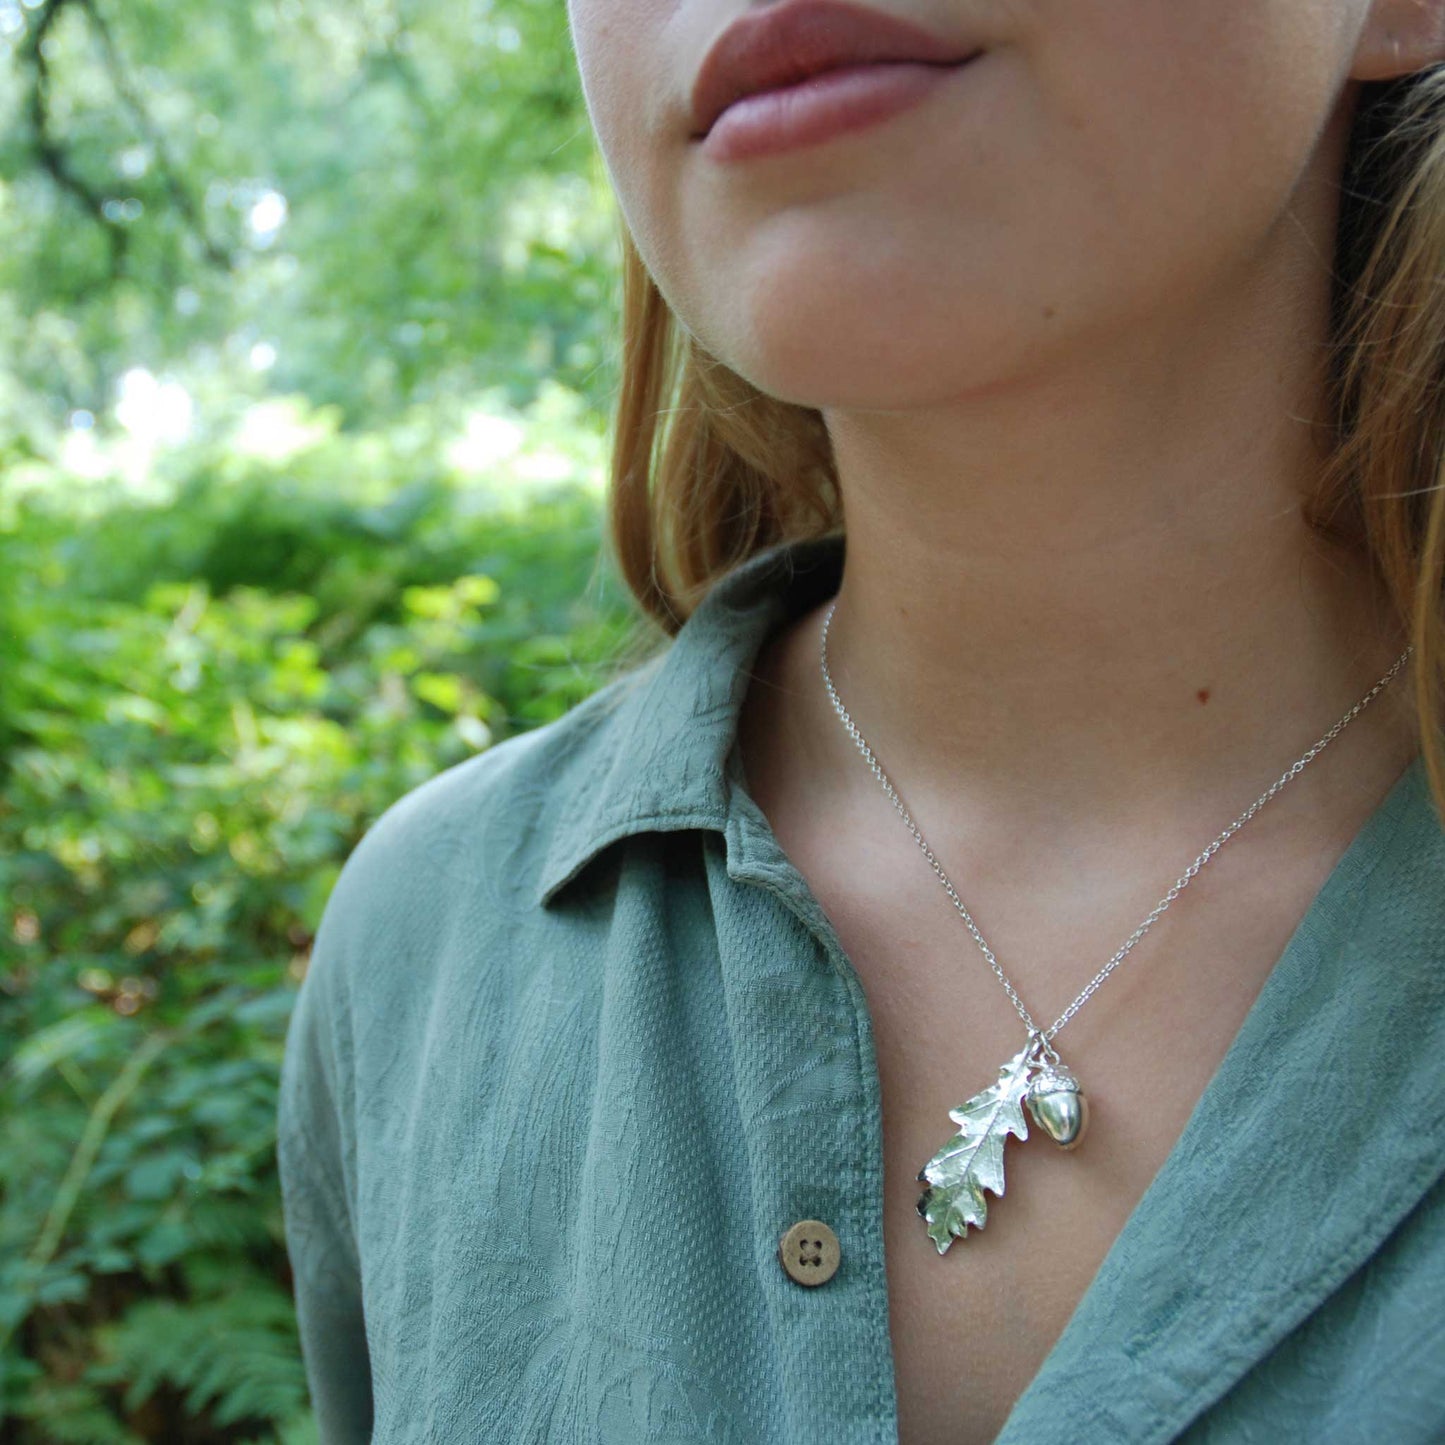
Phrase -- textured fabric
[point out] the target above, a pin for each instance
(577, 1045)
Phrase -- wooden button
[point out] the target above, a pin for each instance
(810, 1252)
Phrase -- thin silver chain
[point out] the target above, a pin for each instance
(1292, 771)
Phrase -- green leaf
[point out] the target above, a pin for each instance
(156, 1177)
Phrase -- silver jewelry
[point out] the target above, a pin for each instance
(972, 1160)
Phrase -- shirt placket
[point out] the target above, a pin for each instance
(809, 1098)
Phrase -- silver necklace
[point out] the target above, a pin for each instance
(1035, 1078)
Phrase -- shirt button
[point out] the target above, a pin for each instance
(810, 1252)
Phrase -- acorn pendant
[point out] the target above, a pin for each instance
(1058, 1105)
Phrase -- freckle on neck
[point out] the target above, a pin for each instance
(1202, 695)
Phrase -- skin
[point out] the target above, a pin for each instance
(1064, 322)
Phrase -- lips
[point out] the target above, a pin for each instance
(788, 42)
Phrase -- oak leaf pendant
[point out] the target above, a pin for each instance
(972, 1160)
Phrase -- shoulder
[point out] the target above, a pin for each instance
(471, 841)
(429, 940)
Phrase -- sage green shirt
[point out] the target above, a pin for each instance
(578, 1045)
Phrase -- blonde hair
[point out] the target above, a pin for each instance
(735, 470)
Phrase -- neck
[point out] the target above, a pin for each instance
(1092, 592)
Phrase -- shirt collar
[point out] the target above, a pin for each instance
(660, 760)
(1319, 1133)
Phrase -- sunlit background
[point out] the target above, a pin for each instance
(307, 349)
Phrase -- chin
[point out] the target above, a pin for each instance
(828, 363)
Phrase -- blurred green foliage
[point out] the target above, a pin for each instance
(304, 368)
(399, 199)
